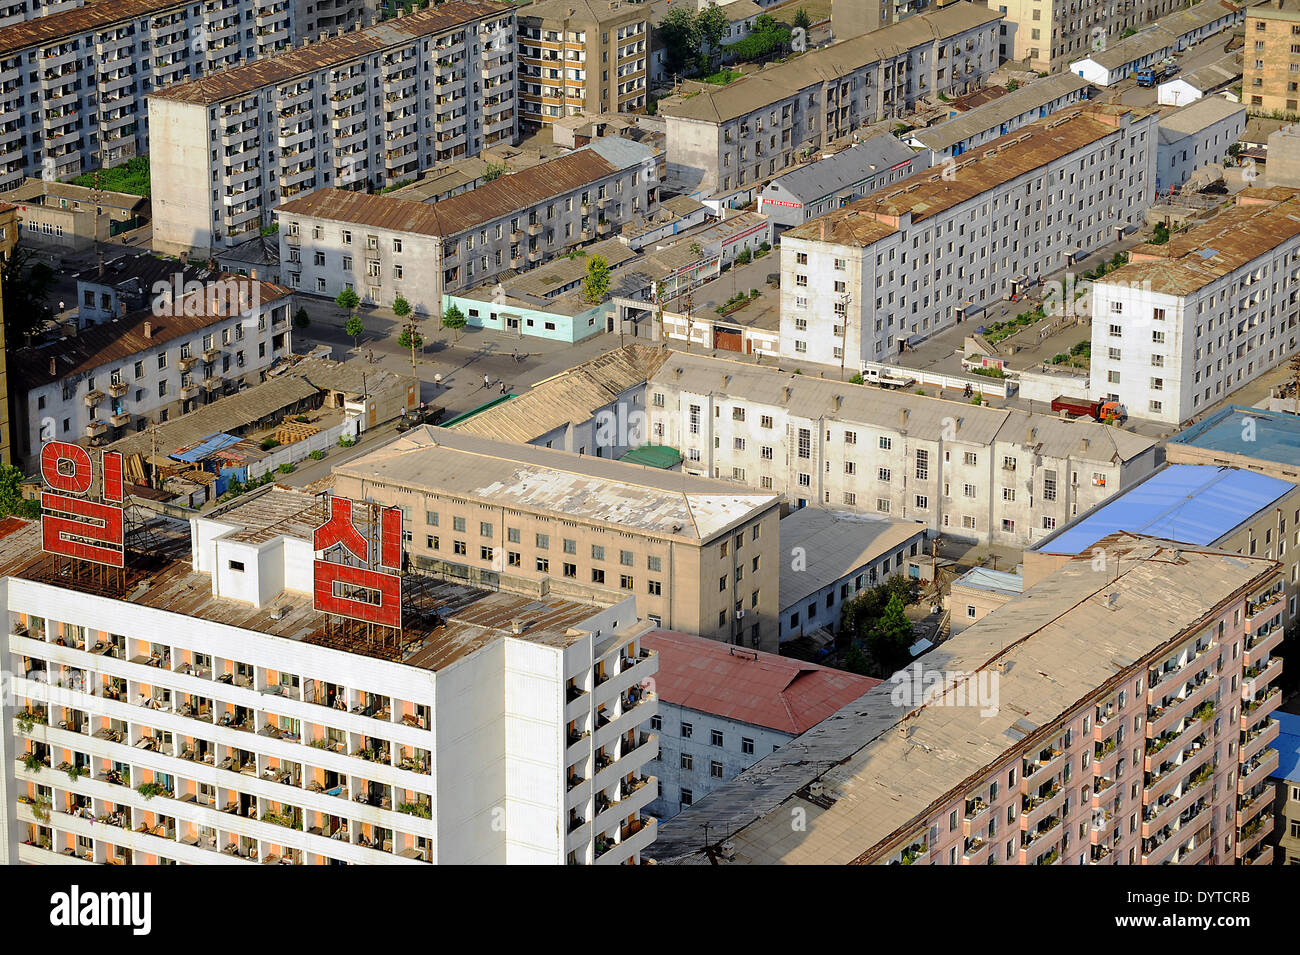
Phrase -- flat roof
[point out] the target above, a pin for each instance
(1211, 76)
(835, 544)
(749, 686)
(1197, 115)
(884, 767)
(995, 581)
(1287, 745)
(1193, 503)
(1275, 435)
(553, 482)
(292, 63)
(654, 456)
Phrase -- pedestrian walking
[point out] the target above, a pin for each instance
(503, 387)
(487, 382)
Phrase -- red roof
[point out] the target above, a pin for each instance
(10, 524)
(750, 686)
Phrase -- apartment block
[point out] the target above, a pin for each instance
(851, 18)
(382, 246)
(182, 352)
(1046, 34)
(719, 712)
(363, 110)
(1187, 323)
(862, 282)
(1140, 733)
(74, 82)
(987, 475)
(699, 555)
(216, 717)
(582, 56)
(1194, 136)
(19, 11)
(1271, 58)
(724, 142)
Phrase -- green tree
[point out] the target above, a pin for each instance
(892, 635)
(744, 257)
(596, 285)
(401, 307)
(404, 339)
(802, 20)
(355, 329)
(26, 288)
(301, 319)
(1013, 86)
(493, 170)
(11, 495)
(712, 24)
(855, 661)
(454, 319)
(679, 34)
(348, 300)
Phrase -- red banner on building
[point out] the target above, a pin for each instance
(367, 592)
(72, 523)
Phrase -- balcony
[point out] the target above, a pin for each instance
(535, 228)
(1260, 675)
(1257, 770)
(1255, 710)
(1035, 772)
(1035, 809)
(96, 428)
(189, 391)
(120, 419)
(118, 388)
(1261, 644)
(94, 397)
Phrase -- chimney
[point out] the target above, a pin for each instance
(54, 368)
(902, 417)
(823, 229)
(726, 380)
(1030, 435)
(836, 402)
(788, 392)
(1083, 446)
(957, 426)
(148, 329)
(516, 626)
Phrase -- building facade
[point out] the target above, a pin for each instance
(582, 56)
(364, 110)
(1194, 136)
(862, 282)
(382, 247)
(724, 143)
(698, 555)
(1270, 61)
(182, 352)
(974, 473)
(1185, 324)
(207, 721)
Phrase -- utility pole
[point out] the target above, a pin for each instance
(1295, 381)
(845, 299)
(153, 455)
(690, 304)
(98, 195)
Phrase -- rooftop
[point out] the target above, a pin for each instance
(779, 81)
(1275, 435)
(1196, 116)
(1193, 503)
(591, 11)
(1221, 72)
(93, 16)
(543, 480)
(836, 544)
(1287, 745)
(994, 581)
(1259, 222)
(846, 168)
(882, 767)
(144, 269)
(492, 200)
(313, 57)
(919, 416)
(749, 686)
(993, 114)
(987, 167)
(1154, 39)
(117, 340)
(37, 191)
(571, 396)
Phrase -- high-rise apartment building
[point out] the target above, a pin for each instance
(1185, 324)
(582, 56)
(1117, 713)
(363, 110)
(700, 556)
(1270, 60)
(211, 715)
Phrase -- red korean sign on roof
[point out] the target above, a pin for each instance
(361, 589)
(73, 523)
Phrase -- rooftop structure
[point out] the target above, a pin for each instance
(1273, 447)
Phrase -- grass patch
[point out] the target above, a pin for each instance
(131, 177)
(723, 77)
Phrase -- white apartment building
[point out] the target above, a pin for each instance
(117, 377)
(1186, 324)
(212, 718)
(861, 282)
(18, 11)
(363, 110)
(1194, 136)
(382, 246)
(723, 143)
(73, 83)
(988, 475)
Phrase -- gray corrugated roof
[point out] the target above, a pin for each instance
(845, 168)
(1196, 116)
(994, 113)
(835, 544)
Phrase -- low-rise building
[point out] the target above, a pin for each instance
(382, 247)
(741, 16)
(1177, 29)
(919, 773)
(832, 181)
(831, 557)
(862, 282)
(1006, 114)
(724, 142)
(1195, 135)
(1285, 826)
(699, 555)
(181, 352)
(722, 709)
(60, 217)
(218, 715)
(1043, 36)
(1217, 77)
(1185, 324)
(674, 217)
(1251, 439)
(991, 475)
(131, 283)
(364, 110)
(977, 593)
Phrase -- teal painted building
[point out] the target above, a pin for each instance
(515, 317)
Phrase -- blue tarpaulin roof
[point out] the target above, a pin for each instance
(1191, 503)
(1268, 435)
(1288, 747)
(208, 446)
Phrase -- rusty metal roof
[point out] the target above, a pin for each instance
(311, 58)
(68, 23)
(492, 200)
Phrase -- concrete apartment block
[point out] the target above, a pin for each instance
(363, 110)
(1186, 323)
(1271, 58)
(1194, 136)
(862, 282)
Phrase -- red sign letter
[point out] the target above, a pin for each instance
(75, 526)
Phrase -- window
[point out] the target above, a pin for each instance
(686, 797)
(747, 746)
(687, 730)
(597, 552)
(485, 553)
(458, 524)
(715, 769)
(485, 530)
(688, 761)
(715, 737)
(922, 465)
(970, 458)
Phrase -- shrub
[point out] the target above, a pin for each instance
(286, 468)
(316, 455)
(270, 443)
(346, 442)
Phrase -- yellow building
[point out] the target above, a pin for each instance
(1270, 65)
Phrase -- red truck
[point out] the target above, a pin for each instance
(1098, 410)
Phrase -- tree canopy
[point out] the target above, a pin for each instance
(26, 287)
(596, 284)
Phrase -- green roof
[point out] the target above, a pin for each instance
(479, 410)
(653, 456)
